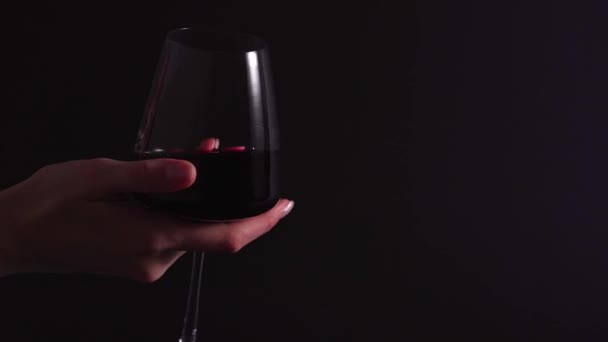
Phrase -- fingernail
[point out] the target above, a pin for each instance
(287, 209)
(178, 173)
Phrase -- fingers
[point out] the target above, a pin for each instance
(100, 177)
(213, 144)
(209, 144)
(231, 236)
(145, 232)
(157, 175)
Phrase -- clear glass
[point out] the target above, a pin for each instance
(212, 103)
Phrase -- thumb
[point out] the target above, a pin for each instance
(101, 177)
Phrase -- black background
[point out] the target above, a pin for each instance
(447, 159)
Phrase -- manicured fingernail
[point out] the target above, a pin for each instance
(287, 209)
(178, 173)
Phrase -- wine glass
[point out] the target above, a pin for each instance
(212, 103)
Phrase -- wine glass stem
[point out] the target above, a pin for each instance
(191, 318)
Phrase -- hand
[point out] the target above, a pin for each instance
(66, 218)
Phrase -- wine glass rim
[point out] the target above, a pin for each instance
(216, 40)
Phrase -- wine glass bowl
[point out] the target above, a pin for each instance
(212, 103)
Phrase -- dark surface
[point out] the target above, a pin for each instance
(447, 160)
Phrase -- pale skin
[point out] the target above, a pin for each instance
(66, 218)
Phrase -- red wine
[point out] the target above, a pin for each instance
(230, 184)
